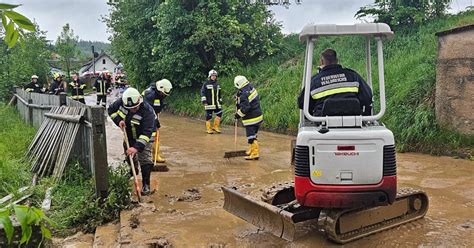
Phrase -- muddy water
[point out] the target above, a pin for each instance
(195, 161)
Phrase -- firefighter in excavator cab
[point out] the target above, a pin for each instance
(154, 95)
(137, 117)
(248, 109)
(77, 89)
(212, 101)
(334, 82)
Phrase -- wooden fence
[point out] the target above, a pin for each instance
(90, 146)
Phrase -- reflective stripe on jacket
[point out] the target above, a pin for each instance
(248, 105)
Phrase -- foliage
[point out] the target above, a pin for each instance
(75, 204)
(182, 40)
(404, 12)
(27, 217)
(16, 136)
(66, 46)
(410, 64)
(14, 24)
(84, 47)
(20, 62)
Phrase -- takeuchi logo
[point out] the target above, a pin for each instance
(346, 153)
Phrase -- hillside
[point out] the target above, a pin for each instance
(410, 76)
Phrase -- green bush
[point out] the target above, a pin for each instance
(74, 203)
(410, 73)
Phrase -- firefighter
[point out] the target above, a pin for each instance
(212, 101)
(138, 119)
(335, 82)
(58, 85)
(34, 86)
(102, 86)
(248, 108)
(77, 89)
(154, 96)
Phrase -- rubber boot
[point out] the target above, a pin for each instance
(249, 150)
(254, 153)
(146, 173)
(155, 151)
(208, 127)
(217, 121)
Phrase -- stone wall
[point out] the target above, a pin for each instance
(455, 80)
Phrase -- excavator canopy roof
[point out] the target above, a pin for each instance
(366, 29)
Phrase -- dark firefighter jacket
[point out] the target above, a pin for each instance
(56, 87)
(155, 98)
(336, 82)
(248, 105)
(211, 95)
(77, 89)
(101, 85)
(139, 125)
(33, 87)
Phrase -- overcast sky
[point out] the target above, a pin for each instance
(84, 15)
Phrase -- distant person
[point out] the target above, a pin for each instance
(335, 82)
(102, 87)
(77, 89)
(57, 85)
(248, 108)
(34, 86)
(154, 95)
(212, 101)
(138, 119)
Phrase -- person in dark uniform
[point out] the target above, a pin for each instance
(212, 101)
(57, 85)
(77, 89)
(138, 119)
(248, 109)
(34, 86)
(102, 86)
(154, 95)
(335, 82)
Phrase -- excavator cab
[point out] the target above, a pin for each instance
(344, 163)
(345, 160)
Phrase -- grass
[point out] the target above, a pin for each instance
(410, 76)
(15, 137)
(74, 205)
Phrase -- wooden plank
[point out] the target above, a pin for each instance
(99, 148)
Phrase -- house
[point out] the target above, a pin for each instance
(103, 62)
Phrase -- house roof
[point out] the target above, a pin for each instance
(455, 30)
(88, 65)
(368, 29)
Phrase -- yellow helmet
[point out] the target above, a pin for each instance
(240, 82)
(164, 85)
(56, 75)
(131, 98)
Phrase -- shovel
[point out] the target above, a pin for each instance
(235, 153)
(132, 164)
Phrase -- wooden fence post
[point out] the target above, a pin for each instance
(99, 146)
(30, 111)
(62, 99)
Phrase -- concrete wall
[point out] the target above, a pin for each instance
(455, 80)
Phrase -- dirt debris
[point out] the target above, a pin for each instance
(134, 221)
(160, 242)
(189, 195)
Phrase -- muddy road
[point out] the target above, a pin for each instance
(187, 207)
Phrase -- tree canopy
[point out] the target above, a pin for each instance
(403, 13)
(66, 46)
(182, 40)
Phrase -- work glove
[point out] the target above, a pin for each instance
(237, 116)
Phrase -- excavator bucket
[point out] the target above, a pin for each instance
(265, 216)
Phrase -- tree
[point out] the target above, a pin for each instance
(183, 39)
(14, 25)
(404, 12)
(66, 46)
(17, 64)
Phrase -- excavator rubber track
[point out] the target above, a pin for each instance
(278, 213)
(346, 225)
